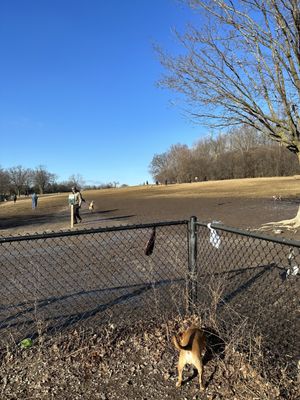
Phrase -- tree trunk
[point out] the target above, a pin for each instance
(293, 223)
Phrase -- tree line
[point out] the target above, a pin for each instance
(20, 180)
(241, 153)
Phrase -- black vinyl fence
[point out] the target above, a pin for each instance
(54, 281)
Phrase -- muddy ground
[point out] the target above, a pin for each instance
(112, 210)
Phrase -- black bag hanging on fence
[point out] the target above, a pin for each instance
(150, 244)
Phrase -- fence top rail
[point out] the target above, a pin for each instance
(47, 235)
(240, 232)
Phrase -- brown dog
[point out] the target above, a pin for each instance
(191, 347)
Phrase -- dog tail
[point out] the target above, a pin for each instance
(177, 344)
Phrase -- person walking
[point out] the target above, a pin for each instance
(77, 200)
(34, 200)
(15, 198)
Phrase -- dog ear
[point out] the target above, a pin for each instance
(150, 244)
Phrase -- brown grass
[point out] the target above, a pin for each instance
(249, 188)
(237, 188)
(233, 202)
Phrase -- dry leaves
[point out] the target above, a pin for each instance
(136, 362)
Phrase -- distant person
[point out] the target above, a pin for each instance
(15, 198)
(77, 200)
(34, 200)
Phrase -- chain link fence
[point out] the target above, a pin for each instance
(52, 281)
(57, 280)
(250, 280)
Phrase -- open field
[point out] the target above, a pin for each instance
(104, 282)
(243, 203)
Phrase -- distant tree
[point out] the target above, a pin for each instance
(245, 137)
(4, 181)
(28, 181)
(76, 180)
(238, 154)
(42, 178)
(158, 167)
(18, 177)
(180, 160)
(58, 187)
(242, 66)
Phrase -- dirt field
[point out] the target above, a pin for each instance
(246, 203)
(139, 363)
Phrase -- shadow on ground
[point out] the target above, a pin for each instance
(36, 219)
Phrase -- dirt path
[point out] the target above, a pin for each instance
(121, 210)
(240, 203)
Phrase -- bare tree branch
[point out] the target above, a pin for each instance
(242, 66)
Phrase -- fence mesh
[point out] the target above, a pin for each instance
(48, 283)
(55, 281)
(251, 280)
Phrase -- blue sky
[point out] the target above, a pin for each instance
(78, 90)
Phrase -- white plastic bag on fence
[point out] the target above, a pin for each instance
(214, 238)
(293, 269)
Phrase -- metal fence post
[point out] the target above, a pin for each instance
(192, 286)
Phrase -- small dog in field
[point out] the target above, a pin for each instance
(91, 206)
(192, 347)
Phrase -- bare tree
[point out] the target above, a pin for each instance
(244, 138)
(241, 153)
(175, 165)
(242, 66)
(76, 180)
(18, 177)
(4, 182)
(159, 167)
(179, 157)
(42, 178)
